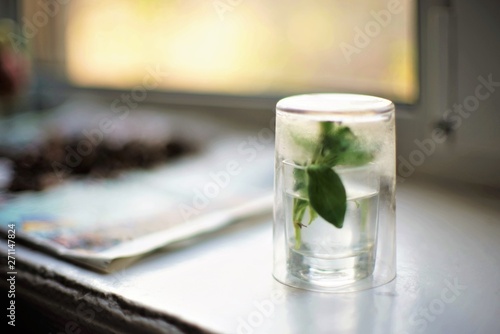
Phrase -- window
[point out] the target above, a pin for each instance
(239, 47)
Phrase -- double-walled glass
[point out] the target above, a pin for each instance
(334, 212)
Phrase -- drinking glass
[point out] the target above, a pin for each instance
(334, 210)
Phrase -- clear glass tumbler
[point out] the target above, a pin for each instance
(334, 211)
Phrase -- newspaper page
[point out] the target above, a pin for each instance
(108, 223)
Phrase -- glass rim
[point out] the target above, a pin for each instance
(322, 104)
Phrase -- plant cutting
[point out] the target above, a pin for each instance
(318, 181)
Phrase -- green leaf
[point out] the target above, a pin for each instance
(339, 146)
(355, 157)
(327, 194)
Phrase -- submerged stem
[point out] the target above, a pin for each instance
(298, 234)
(299, 208)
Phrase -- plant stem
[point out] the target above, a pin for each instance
(298, 234)
(299, 208)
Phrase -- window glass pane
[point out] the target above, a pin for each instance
(246, 47)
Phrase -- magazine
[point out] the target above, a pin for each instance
(109, 223)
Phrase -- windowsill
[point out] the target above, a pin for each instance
(447, 236)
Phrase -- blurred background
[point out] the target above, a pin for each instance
(237, 58)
